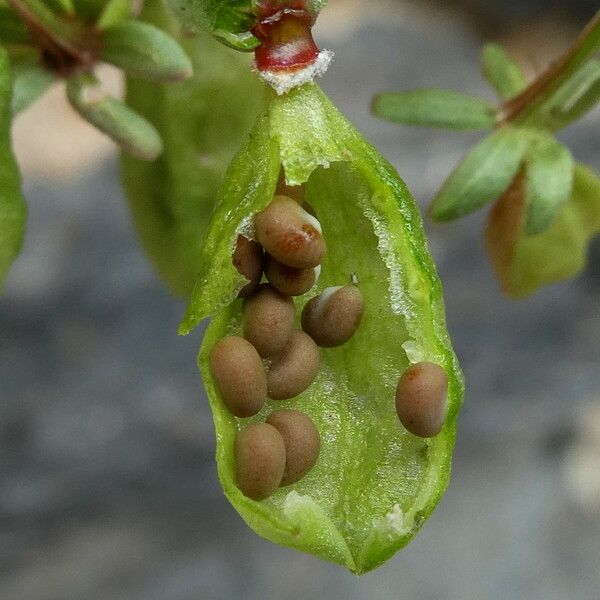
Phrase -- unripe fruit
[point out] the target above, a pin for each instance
(294, 369)
(302, 442)
(289, 280)
(421, 399)
(332, 317)
(289, 234)
(248, 259)
(240, 375)
(268, 320)
(259, 460)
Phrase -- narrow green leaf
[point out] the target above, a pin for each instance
(131, 131)
(65, 6)
(483, 175)
(113, 13)
(549, 181)
(13, 211)
(503, 73)
(435, 108)
(525, 263)
(30, 82)
(201, 121)
(145, 51)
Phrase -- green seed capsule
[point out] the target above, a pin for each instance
(332, 317)
(421, 399)
(302, 442)
(248, 259)
(259, 460)
(289, 234)
(268, 320)
(240, 375)
(294, 369)
(289, 280)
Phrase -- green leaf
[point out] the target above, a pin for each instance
(142, 50)
(482, 176)
(229, 20)
(503, 73)
(113, 13)
(30, 82)
(131, 131)
(525, 263)
(12, 29)
(202, 122)
(374, 483)
(13, 211)
(435, 108)
(549, 181)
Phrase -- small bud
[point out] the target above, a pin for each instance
(294, 369)
(131, 131)
(268, 320)
(289, 234)
(332, 317)
(421, 399)
(288, 280)
(145, 51)
(259, 460)
(240, 375)
(302, 442)
(248, 259)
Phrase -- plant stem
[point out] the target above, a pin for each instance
(583, 48)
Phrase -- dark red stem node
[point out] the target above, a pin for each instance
(285, 35)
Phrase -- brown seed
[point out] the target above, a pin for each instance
(240, 375)
(302, 442)
(259, 460)
(295, 192)
(289, 234)
(289, 280)
(421, 399)
(294, 369)
(248, 259)
(332, 317)
(268, 320)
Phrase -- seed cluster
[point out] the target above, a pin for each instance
(273, 359)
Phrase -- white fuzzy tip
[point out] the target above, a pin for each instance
(282, 82)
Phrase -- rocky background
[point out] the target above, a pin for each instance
(109, 489)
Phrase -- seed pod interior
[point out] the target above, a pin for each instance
(374, 483)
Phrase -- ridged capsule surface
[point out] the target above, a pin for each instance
(332, 317)
(302, 442)
(421, 399)
(289, 234)
(248, 259)
(268, 320)
(240, 375)
(294, 369)
(259, 460)
(289, 280)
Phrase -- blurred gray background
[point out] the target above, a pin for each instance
(109, 489)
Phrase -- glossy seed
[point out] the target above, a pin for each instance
(421, 399)
(240, 375)
(332, 317)
(289, 280)
(289, 234)
(268, 320)
(294, 369)
(248, 259)
(259, 460)
(302, 442)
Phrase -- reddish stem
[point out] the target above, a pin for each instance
(286, 37)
